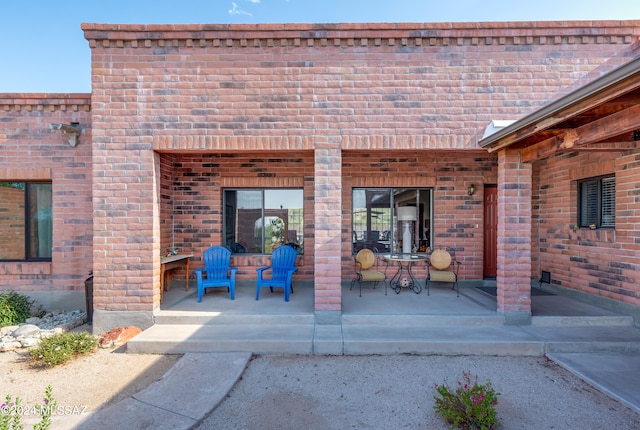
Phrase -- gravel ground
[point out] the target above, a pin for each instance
(394, 392)
(84, 384)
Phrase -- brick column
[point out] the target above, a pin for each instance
(328, 227)
(514, 238)
(126, 234)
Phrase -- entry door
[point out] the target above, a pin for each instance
(490, 231)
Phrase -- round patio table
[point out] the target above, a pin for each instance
(405, 262)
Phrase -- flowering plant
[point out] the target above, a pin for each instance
(61, 347)
(469, 406)
(11, 412)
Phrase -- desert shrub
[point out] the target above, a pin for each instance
(469, 406)
(15, 308)
(61, 347)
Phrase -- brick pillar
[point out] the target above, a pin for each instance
(126, 234)
(514, 238)
(328, 227)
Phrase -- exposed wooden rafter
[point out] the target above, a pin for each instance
(599, 131)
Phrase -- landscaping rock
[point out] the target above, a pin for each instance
(25, 330)
(9, 345)
(118, 336)
(29, 334)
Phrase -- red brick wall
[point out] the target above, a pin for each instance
(443, 82)
(195, 198)
(30, 150)
(449, 175)
(603, 262)
(327, 89)
(537, 220)
(198, 179)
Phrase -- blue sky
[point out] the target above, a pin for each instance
(42, 48)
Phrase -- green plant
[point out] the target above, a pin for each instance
(12, 411)
(469, 406)
(46, 410)
(61, 347)
(15, 308)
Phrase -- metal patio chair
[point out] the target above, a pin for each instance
(365, 260)
(442, 267)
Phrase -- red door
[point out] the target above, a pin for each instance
(490, 231)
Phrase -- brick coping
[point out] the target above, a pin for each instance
(361, 34)
(38, 102)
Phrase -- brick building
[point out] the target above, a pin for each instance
(192, 132)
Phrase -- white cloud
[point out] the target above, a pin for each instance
(235, 10)
(254, 1)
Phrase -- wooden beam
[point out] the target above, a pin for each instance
(608, 147)
(540, 150)
(597, 131)
(536, 152)
(607, 127)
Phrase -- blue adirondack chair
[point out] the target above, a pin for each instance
(216, 272)
(283, 260)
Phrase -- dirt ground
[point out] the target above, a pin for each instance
(304, 392)
(397, 392)
(87, 383)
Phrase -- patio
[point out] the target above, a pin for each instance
(377, 324)
(442, 302)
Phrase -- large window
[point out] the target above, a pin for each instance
(597, 204)
(391, 219)
(25, 221)
(258, 221)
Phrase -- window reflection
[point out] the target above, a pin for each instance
(26, 226)
(375, 223)
(259, 221)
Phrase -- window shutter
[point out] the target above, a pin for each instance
(608, 202)
(589, 203)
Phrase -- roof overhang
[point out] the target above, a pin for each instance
(603, 115)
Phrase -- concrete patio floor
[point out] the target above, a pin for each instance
(441, 301)
(439, 323)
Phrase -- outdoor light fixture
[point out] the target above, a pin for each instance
(72, 130)
(406, 215)
(471, 190)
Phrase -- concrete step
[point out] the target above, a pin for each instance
(401, 320)
(488, 340)
(355, 339)
(257, 339)
(583, 321)
(336, 339)
(224, 318)
(440, 340)
(587, 339)
(191, 317)
(296, 332)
